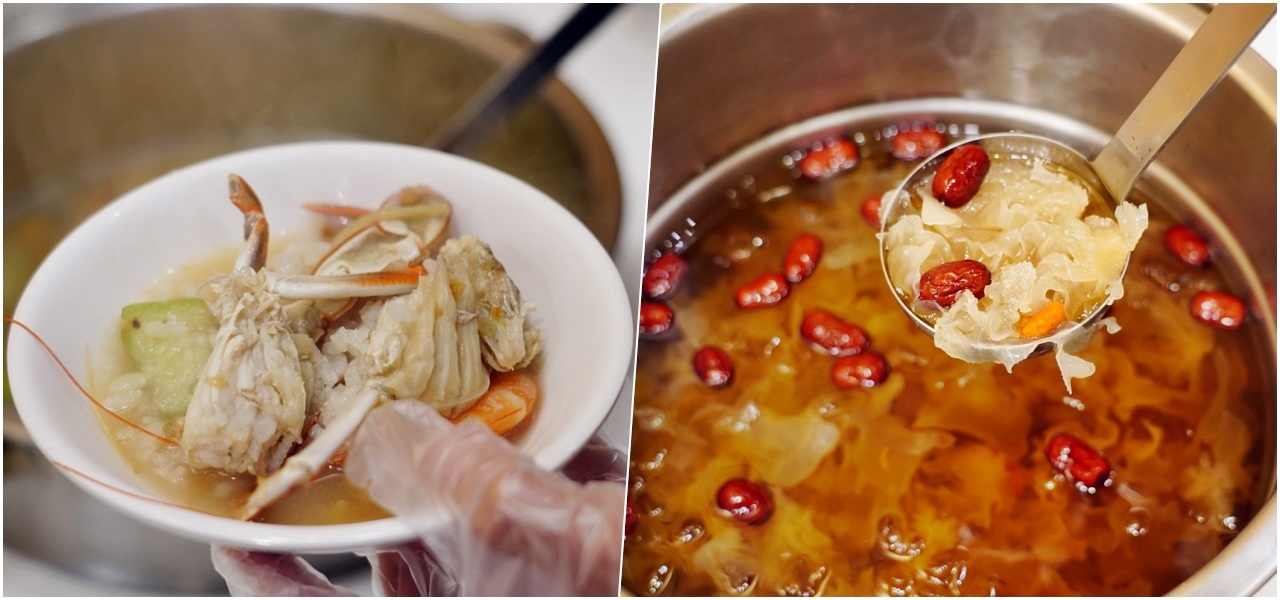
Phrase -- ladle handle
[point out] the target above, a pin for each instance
(1194, 72)
(501, 96)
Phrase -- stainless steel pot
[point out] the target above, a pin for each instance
(101, 98)
(735, 81)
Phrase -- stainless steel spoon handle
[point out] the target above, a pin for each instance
(1194, 72)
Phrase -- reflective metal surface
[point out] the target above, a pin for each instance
(736, 81)
(101, 98)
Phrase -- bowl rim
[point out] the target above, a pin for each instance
(614, 346)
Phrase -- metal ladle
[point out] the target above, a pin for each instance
(1225, 34)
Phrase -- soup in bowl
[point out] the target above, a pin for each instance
(126, 277)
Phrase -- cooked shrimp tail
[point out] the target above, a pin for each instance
(510, 398)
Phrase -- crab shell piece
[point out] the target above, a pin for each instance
(410, 225)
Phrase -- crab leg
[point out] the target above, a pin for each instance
(363, 285)
(256, 235)
(509, 399)
(300, 467)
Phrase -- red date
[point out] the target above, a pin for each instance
(746, 501)
(765, 290)
(960, 175)
(713, 366)
(865, 370)
(1186, 245)
(1218, 309)
(1083, 466)
(631, 518)
(832, 335)
(656, 319)
(871, 209)
(944, 283)
(662, 277)
(914, 145)
(802, 257)
(835, 155)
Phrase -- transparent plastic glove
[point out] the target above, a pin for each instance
(512, 529)
(250, 573)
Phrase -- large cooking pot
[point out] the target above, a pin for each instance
(737, 81)
(101, 98)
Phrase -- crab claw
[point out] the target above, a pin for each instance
(256, 235)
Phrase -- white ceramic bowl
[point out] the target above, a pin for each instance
(74, 303)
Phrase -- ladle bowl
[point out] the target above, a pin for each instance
(1193, 73)
(1017, 146)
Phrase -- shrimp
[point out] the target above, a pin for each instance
(511, 397)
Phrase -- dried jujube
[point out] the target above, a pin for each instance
(765, 290)
(860, 371)
(944, 283)
(1186, 245)
(833, 156)
(1079, 462)
(663, 276)
(914, 145)
(713, 366)
(746, 501)
(833, 335)
(1218, 309)
(802, 257)
(656, 319)
(960, 175)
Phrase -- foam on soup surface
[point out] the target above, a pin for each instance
(934, 480)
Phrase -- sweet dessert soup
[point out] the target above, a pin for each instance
(796, 434)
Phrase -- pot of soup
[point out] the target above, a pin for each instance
(795, 433)
(100, 99)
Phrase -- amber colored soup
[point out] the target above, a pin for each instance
(937, 482)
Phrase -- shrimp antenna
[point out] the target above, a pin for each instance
(113, 488)
(86, 393)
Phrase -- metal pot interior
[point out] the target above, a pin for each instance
(99, 99)
(726, 108)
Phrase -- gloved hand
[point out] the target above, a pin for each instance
(512, 528)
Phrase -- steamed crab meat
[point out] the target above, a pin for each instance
(425, 346)
(279, 364)
(251, 397)
(250, 400)
(508, 341)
